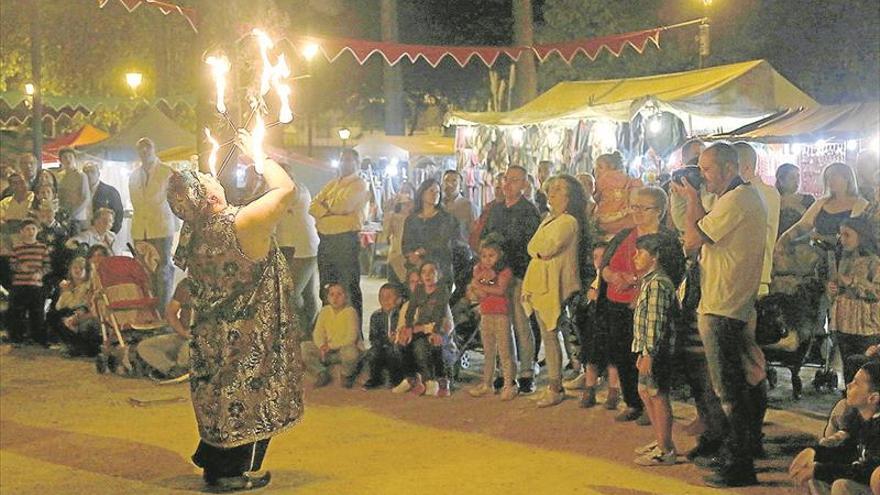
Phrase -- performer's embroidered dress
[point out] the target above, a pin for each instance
(246, 377)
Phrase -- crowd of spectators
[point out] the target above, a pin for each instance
(657, 279)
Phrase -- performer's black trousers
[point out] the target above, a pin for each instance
(226, 463)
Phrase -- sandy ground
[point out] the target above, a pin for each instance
(65, 429)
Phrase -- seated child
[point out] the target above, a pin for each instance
(168, 354)
(30, 262)
(657, 260)
(490, 285)
(383, 355)
(72, 319)
(426, 331)
(335, 340)
(847, 461)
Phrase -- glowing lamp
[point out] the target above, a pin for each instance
(134, 80)
(309, 51)
(29, 89)
(334, 163)
(655, 125)
(344, 133)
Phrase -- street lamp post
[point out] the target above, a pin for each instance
(134, 81)
(344, 134)
(703, 38)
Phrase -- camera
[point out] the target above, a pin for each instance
(691, 173)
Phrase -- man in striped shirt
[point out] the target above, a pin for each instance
(30, 262)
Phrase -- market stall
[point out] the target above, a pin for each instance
(644, 117)
(813, 138)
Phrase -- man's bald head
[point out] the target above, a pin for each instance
(747, 158)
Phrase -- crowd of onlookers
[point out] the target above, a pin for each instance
(618, 283)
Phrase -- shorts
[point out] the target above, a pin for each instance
(658, 382)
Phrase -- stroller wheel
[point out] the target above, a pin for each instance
(818, 380)
(831, 380)
(771, 377)
(796, 386)
(465, 360)
(101, 363)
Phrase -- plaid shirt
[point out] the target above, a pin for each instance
(651, 318)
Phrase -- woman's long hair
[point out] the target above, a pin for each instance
(419, 203)
(577, 207)
(842, 170)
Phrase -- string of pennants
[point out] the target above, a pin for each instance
(393, 53)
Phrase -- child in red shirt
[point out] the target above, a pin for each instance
(490, 286)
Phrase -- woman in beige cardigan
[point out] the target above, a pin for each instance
(554, 272)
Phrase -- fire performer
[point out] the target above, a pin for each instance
(246, 376)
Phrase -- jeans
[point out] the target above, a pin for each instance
(522, 329)
(27, 310)
(385, 357)
(497, 339)
(553, 357)
(338, 262)
(428, 358)
(726, 342)
(304, 295)
(695, 370)
(163, 277)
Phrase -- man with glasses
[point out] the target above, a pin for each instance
(516, 221)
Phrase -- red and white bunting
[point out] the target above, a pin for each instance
(164, 7)
(591, 47)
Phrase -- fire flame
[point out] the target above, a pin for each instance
(265, 43)
(219, 69)
(279, 72)
(215, 149)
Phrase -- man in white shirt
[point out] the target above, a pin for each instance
(339, 215)
(298, 239)
(731, 265)
(152, 220)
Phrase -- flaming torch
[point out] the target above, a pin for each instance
(215, 149)
(219, 68)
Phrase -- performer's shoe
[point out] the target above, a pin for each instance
(247, 481)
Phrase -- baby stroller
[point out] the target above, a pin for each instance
(466, 333)
(126, 309)
(795, 308)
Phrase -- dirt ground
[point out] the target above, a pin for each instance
(65, 429)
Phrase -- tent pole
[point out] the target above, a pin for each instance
(36, 67)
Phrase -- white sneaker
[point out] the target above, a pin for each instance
(657, 458)
(576, 383)
(402, 387)
(647, 449)
(431, 387)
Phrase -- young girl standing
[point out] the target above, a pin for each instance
(490, 286)
(855, 291)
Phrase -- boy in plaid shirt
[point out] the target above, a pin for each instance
(660, 260)
(30, 262)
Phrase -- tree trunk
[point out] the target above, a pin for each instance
(36, 67)
(392, 77)
(526, 87)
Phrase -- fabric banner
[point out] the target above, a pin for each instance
(164, 7)
(393, 52)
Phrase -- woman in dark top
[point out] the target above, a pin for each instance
(793, 204)
(429, 231)
(841, 201)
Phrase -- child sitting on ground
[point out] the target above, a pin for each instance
(660, 263)
(490, 286)
(594, 345)
(426, 331)
(335, 340)
(383, 355)
(30, 262)
(72, 319)
(168, 354)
